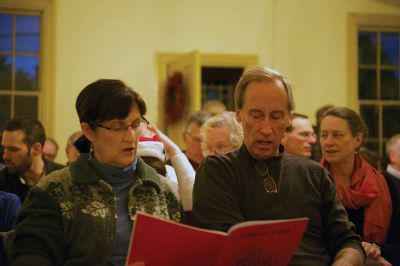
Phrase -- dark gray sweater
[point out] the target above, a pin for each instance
(228, 191)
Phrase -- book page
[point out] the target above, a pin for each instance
(262, 242)
(158, 242)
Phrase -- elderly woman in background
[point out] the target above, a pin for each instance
(221, 134)
(361, 188)
(83, 214)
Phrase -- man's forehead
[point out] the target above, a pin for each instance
(12, 138)
(258, 91)
(301, 122)
(193, 128)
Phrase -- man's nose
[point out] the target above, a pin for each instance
(312, 139)
(5, 155)
(266, 126)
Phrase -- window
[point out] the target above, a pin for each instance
(20, 91)
(379, 83)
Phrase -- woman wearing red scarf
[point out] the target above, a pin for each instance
(361, 188)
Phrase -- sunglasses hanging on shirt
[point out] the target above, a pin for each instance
(269, 182)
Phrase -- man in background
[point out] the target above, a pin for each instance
(22, 141)
(299, 137)
(192, 137)
(50, 149)
(392, 176)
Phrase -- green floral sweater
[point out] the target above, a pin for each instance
(69, 217)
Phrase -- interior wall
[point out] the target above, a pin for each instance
(96, 39)
(118, 39)
(311, 44)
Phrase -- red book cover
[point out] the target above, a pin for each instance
(158, 242)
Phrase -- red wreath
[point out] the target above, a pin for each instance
(174, 98)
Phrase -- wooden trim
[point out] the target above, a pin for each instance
(207, 60)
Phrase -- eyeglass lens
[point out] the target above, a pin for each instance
(269, 182)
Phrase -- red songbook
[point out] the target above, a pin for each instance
(158, 242)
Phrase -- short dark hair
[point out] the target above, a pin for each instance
(32, 128)
(354, 121)
(294, 116)
(107, 99)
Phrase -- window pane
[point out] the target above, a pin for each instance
(367, 47)
(390, 85)
(391, 121)
(367, 84)
(26, 74)
(372, 145)
(371, 117)
(27, 33)
(5, 72)
(5, 109)
(26, 105)
(5, 32)
(390, 48)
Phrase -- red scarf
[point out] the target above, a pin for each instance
(368, 189)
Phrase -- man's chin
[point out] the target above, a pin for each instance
(263, 154)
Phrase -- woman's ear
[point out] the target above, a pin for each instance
(359, 139)
(87, 131)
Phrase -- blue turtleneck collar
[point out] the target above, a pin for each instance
(114, 175)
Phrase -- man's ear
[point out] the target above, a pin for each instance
(394, 157)
(290, 119)
(87, 131)
(36, 149)
(238, 117)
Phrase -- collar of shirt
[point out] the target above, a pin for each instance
(393, 171)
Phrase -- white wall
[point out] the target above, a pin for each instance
(304, 39)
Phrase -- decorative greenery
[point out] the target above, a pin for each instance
(174, 98)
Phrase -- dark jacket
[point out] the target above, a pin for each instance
(391, 248)
(9, 206)
(12, 183)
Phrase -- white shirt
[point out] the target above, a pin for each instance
(393, 171)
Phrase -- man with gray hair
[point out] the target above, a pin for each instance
(392, 176)
(259, 181)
